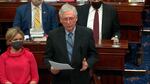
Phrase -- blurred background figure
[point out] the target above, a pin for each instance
(36, 16)
(100, 17)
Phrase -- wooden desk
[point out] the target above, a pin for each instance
(107, 52)
(110, 66)
(110, 60)
(130, 17)
(38, 49)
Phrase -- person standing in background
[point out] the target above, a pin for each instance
(37, 15)
(108, 24)
(71, 44)
(18, 65)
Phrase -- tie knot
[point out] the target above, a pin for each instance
(36, 8)
(70, 34)
(96, 10)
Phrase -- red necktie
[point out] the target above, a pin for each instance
(96, 27)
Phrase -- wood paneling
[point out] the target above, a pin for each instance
(130, 17)
(111, 60)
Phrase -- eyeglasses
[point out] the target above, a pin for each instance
(68, 18)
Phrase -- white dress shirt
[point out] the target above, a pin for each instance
(90, 20)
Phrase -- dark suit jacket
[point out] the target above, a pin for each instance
(23, 18)
(110, 23)
(84, 47)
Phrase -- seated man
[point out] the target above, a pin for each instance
(100, 17)
(36, 16)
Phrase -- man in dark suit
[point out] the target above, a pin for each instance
(108, 19)
(25, 16)
(80, 53)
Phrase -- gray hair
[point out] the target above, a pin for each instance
(67, 7)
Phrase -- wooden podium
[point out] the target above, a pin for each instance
(109, 67)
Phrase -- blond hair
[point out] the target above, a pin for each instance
(11, 33)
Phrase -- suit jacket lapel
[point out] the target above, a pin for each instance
(44, 15)
(76, 43)
(86, 13)
(104, 19)
(28, 15)
(62, 40)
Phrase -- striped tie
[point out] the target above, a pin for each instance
(37, 23)
(69, 45)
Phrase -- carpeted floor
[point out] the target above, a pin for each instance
(140, 77)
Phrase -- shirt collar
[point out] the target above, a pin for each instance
(72, 31)
(33, 6)
(92, 9)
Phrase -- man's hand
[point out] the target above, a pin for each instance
(84, 65)
(54, 71)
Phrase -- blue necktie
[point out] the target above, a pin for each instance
(69, 41)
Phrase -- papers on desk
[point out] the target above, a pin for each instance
(26, 37)
(36, 33)
(60, 66)
(40, 39)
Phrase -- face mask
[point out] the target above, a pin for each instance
(17, 44)
(96, 5)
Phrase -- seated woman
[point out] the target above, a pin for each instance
(18, 65)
